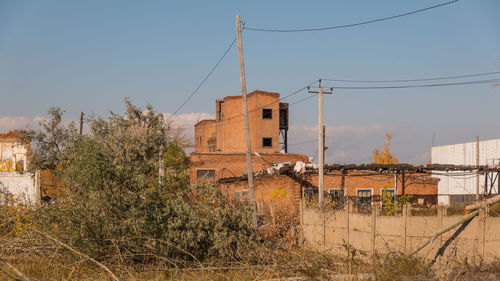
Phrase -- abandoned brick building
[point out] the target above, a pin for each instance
(219, 154)
(361, 187)
(220, 143)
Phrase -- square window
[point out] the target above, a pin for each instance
(267, 113)
(310, 194)
(237, 195)
(337, 194)
(210, 174)
(364, 197)
(267, 142)
(388, 193)
(244, 195)
(337, 197)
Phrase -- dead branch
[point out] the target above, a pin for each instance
(489, 201)
(78, 253)
(474, 208)
(19, 273)
(441, 250)
(440, 231)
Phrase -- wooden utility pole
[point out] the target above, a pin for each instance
(477, 172)
(81, 123)
(245, 122)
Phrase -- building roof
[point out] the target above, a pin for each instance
(244, 153)
(254, 93)
(468, 142)
(10, 136)
(204, 121)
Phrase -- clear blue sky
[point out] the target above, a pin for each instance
(88, 55)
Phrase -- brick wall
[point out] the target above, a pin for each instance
(420, 186)
(228, 130)
(234, 164)
(279, 189)
(204, 132)
(417, 184)
(230, 133)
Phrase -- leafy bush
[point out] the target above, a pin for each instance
(389, 206)
(121, 203)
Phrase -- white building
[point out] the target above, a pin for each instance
(14, 180)
(459, 188)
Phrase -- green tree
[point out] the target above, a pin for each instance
(48, 144)
(117, 201)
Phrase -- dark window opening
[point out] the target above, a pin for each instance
(267, 142)
(364, 197)
(221, 110)
(311, 194)
(244, 195)
(337, 197)
(210, 174)
(283, 119)
(267, 113)
(388, 193)
(241, 195)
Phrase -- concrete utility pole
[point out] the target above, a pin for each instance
(477, 165)
(321, 147)
(321, 144)
(395, 191)
(245, 122)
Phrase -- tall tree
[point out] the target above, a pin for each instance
(383, 155)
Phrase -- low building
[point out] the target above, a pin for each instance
(15, 182)
(362, 188)
(458, 188)
(220, 143)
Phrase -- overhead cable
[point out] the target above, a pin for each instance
(352, 24)
(205, 79)
(301, 100)
(413, 80)
(414, 86)
(268, 104)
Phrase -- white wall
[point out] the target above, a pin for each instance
(21, 186)
(463, 154)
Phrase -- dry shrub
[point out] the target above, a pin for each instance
(402, 267)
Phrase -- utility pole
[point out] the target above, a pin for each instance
(395, 191)
(321, 143)
(245, 122)
(477, 172)
(81, 123)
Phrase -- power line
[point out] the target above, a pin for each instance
(413, 80)
(304, 99)
(258, 108)
(304, 142)
(352, 24)
(416, 86)
(205, 79)
(266, 105)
